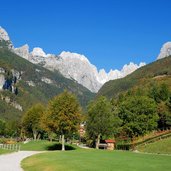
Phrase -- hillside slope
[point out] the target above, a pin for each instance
(156, 70)
(31, 84)
(160, 147)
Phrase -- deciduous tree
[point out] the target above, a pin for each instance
(138, 114)
(63, 115)
(2, 127)
(101, 119)
(31, 120)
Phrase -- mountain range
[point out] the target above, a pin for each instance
(71, 65)
(28, 77)
(154, 73)
(23, 84)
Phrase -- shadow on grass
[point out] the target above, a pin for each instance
(59, 147)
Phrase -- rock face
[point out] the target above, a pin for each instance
(2, 81)
(47, 80)
(12, 102)
(4, 35)
(165, 50)
(23, 51)
(38, 52)
(5, 38)
(77, 67)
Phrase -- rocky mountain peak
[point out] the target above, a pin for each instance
(4, 39)
(165, 50)
(23, 51)
(73, 56)
(37, 51)
(71, 65)
(4, 34)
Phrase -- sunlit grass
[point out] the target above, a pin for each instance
(162, 147)
(96, 160)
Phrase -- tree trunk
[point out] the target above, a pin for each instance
(34, 135)
(133, 145)
(63, 142)
(38, 136)
(50, 138)
(98, 141)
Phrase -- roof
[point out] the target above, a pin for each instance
(110, 141)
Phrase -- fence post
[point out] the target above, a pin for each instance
(18, 147)
(14, 147)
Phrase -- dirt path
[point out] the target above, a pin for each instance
(11, 162)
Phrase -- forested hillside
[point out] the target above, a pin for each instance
(24, 84)
(159, 70)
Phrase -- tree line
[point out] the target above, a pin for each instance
(134, 113)
(62, 116)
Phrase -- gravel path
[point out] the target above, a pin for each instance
(11, 162)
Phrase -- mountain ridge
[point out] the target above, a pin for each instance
(155, 70)
(81, 71)
(34, 84)
(95, 79)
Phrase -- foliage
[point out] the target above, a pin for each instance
(9, 128)
(138, 114)
(101, 120)
(141, 76)
(2, 127)
(159, 92)
(13, 128)
(31, 120)
(63, 115)
(42, 92)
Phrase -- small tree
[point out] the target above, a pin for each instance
(101, 120)
(138, 114)
(159, 92)
(31, 120)
(2, 127)
(63, 115)
(164, 115)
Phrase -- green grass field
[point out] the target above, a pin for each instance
(160, 147)
(2, 151)
(43, 145)
(96, 160)
(36, 145)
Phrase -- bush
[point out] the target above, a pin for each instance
(7, 141)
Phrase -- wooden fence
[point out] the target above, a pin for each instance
(13, 147)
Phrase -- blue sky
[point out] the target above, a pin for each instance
(110, 33)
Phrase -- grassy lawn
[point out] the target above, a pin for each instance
(36, 145)
(2, 151)
(161, 147)
(96, 160)
(43, 145)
